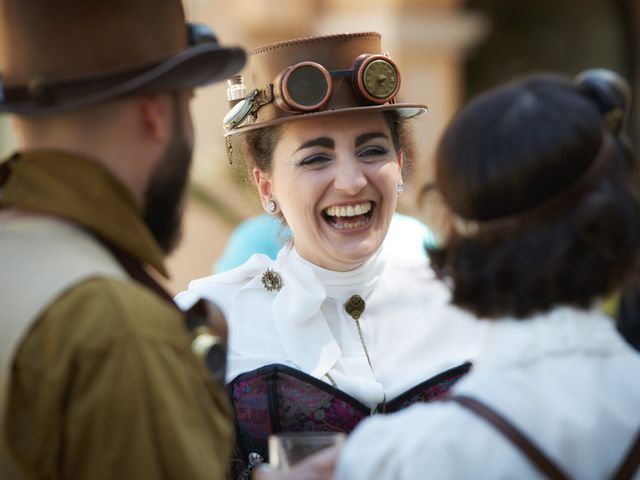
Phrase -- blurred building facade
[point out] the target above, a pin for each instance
(447, 50)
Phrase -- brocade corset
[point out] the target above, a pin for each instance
(277, 398)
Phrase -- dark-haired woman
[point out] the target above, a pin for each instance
(541, 185)
(349, 319)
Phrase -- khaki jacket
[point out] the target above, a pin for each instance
(104, 384)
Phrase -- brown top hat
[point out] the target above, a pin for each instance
(316, 76)
(68, 54)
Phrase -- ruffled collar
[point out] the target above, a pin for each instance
(341, 285)
(296, 308)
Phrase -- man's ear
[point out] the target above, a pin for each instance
(155, 112)
(263, 182)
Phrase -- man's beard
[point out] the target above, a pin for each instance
(165, 192)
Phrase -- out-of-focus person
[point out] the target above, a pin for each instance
(348, 319)
(97, 376)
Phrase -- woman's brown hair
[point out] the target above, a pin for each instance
(506, 157)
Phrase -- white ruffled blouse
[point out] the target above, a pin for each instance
(409, 330)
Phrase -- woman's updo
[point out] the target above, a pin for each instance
(540, 184)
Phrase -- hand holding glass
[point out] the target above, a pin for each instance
(287, 449)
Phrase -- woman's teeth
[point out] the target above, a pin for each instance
(345, 225)
(349, 211)
(350, 216)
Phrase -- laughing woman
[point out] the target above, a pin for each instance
(349, 319)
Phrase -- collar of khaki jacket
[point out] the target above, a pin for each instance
(84, 192)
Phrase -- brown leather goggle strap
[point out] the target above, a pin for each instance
(526, 446)
(531, 451)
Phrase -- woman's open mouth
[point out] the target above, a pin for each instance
(349, 217)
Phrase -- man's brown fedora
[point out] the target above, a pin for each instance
(315, 76)
(64, 55)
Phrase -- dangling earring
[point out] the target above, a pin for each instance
(271, 207)
(400, 187)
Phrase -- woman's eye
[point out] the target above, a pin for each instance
(369, 152)
(314, 160)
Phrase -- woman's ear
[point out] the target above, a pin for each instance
(265, 190)
(263, 182)
(401, 160)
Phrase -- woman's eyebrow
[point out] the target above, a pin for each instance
(365, 137)
(325, 142)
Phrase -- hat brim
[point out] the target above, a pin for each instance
(193, 67)
(405, 110)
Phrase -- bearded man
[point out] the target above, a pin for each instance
(97, 377)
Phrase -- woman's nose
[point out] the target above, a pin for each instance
(350, 177)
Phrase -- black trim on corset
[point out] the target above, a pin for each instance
(273, 369)
(397, 402)
(272, 398)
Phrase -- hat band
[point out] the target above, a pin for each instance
(43, 91)
(549, 207)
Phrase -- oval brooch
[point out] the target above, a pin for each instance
(355, 306)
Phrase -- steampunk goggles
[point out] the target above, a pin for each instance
(307, 87)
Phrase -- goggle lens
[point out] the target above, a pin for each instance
(307, 86)
(380, 79)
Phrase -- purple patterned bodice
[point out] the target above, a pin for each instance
(277, 398)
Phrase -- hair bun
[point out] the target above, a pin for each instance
(611, 93)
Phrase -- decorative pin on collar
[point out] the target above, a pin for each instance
(271, 280)
(355, 306)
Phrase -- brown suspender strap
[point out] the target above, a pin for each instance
(137, 272)
(526, 446)
(539, 459)
(631, 462)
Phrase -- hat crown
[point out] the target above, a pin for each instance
(67, 39)
(334, 52)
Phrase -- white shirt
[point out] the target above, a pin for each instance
(410, 332)
(567, 380)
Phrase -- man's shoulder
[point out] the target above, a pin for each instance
(101, 316)
(109, 308)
